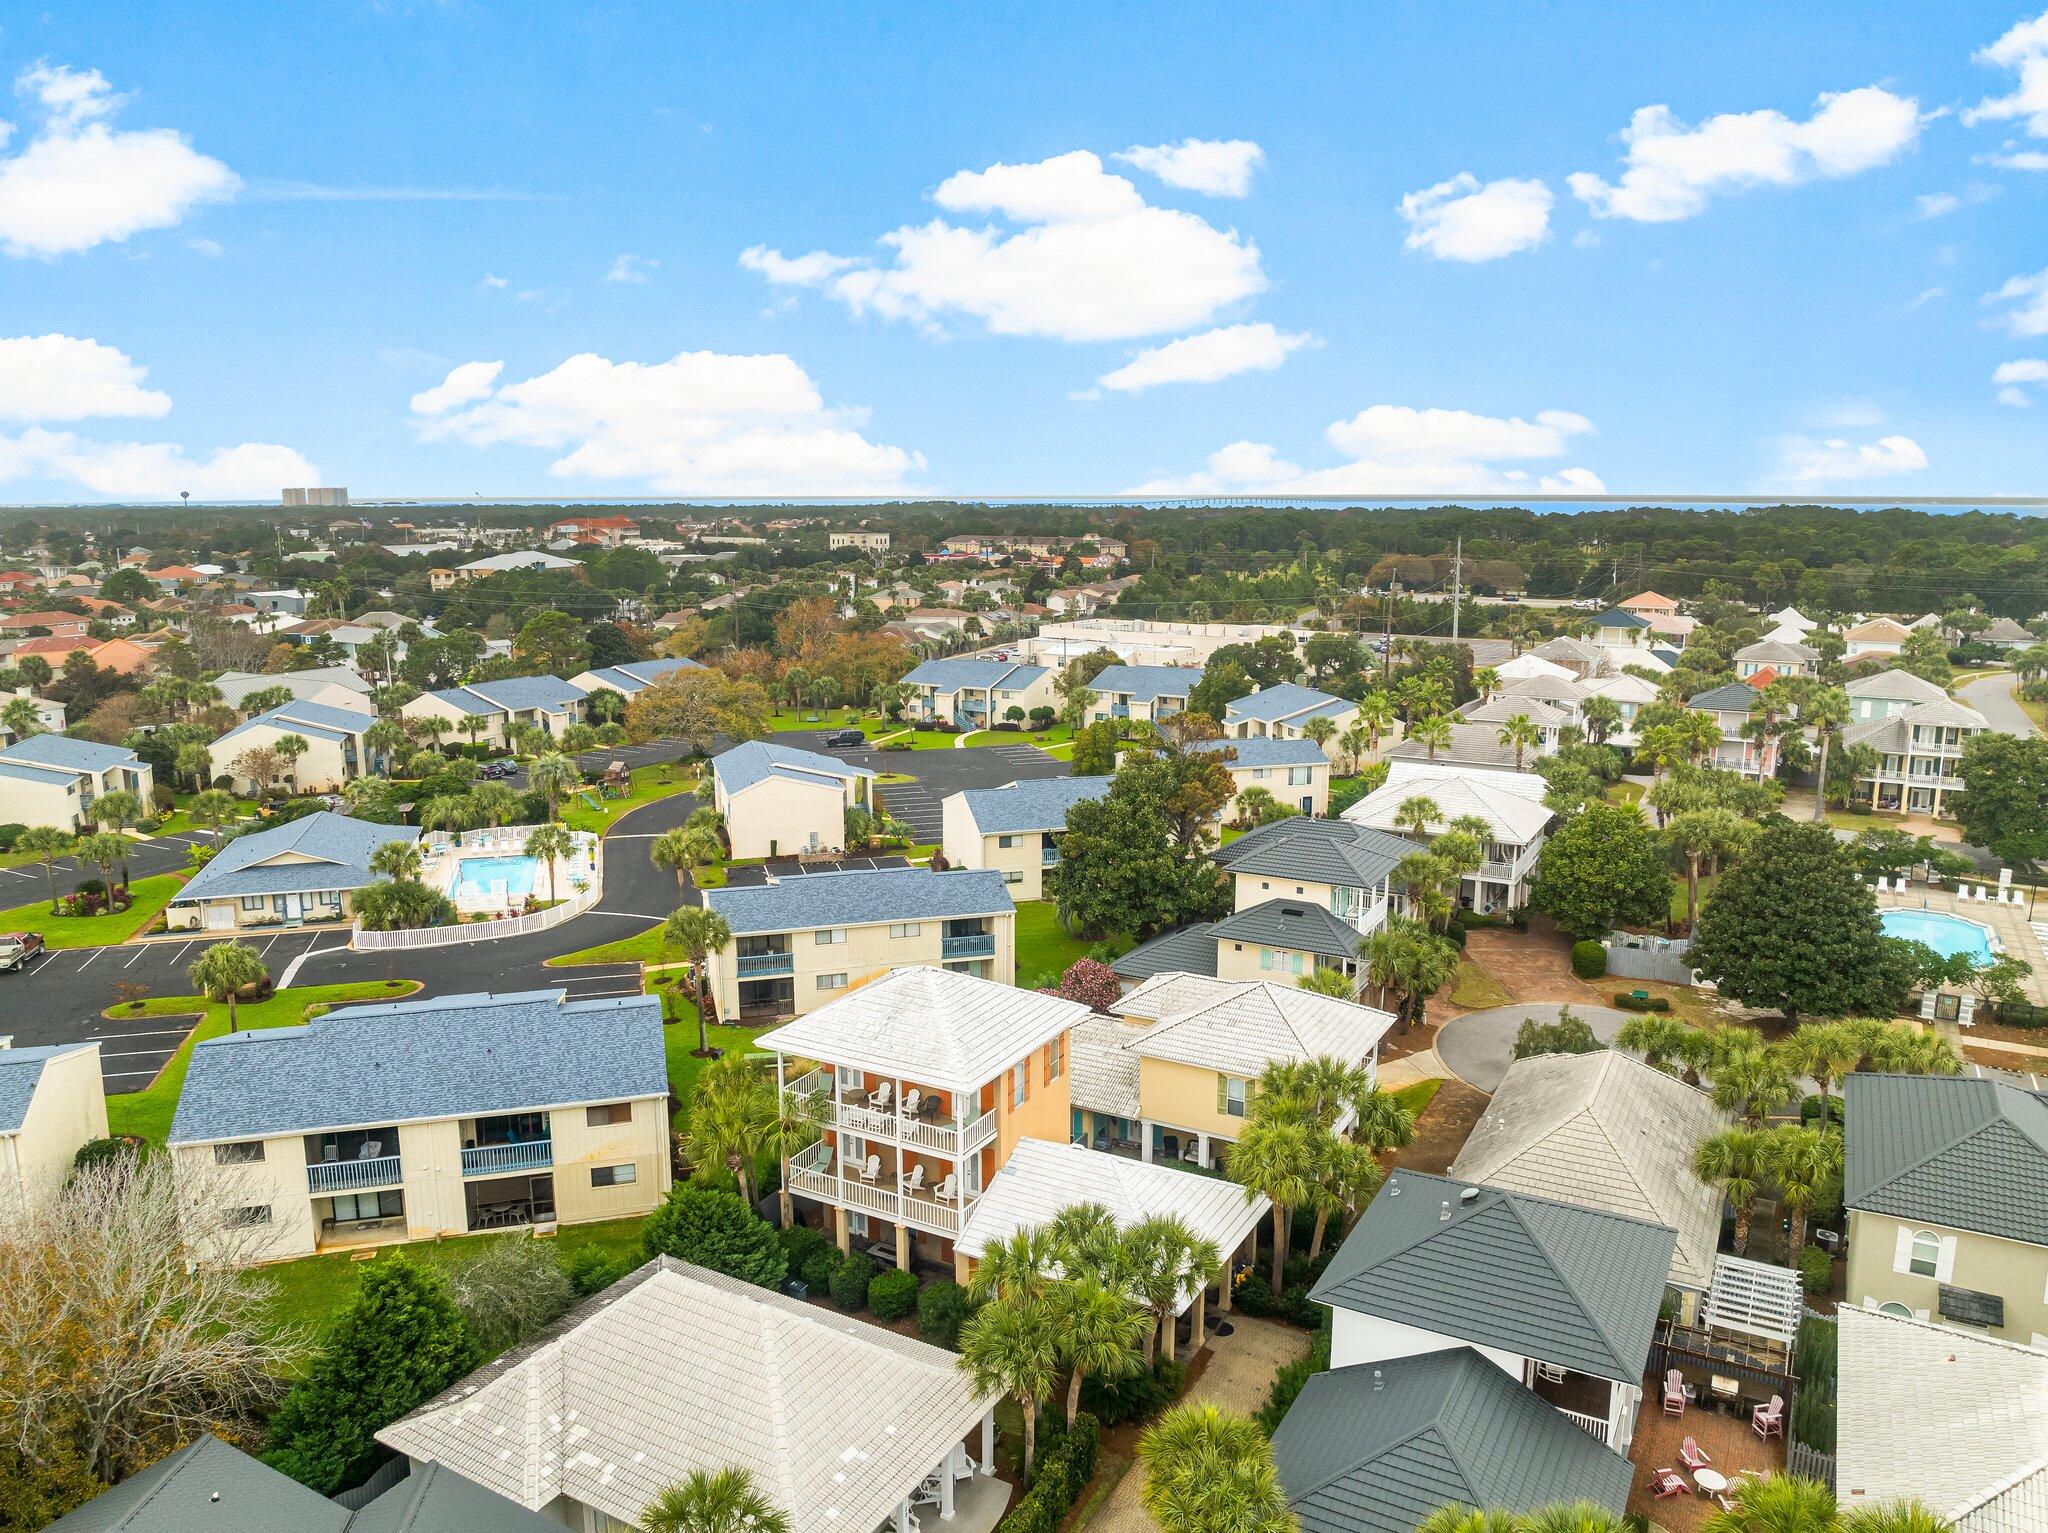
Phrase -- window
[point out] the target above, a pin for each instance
(1277, 959)
(1258, 774)
(831, 981)
(1898, 1310)
(606, 1115)
(248, 1216)
(830, 937)
(1006, 842)
(1013, 875)
(1232, 1095)
(614, 1176)
(1925, 1257)
(1055, 1058)
(252, 902)
(904, 928)
(1020, 1083)
(241, 1153)
(1300, 777)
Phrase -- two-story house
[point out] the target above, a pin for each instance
(1561, 1298)
(1175, 1077)
(1945, 1180)
(1622, 633)
(631, 678)
(799, 941)
(1015, 829)
(1885, 693)
(777, 799)
(1342, 866)
(304, 871)
(1475, 745)
(52, 1101)
(338, 686)
(1875, 636)
(1510, 803)
(974, 693)
(1548, 719)
(484, 712)
(1142, 693)
(1296, 772)
(1919, 755)
(923, 1081)
(1730, 707)
(54, 779)
(1279, 712)
(417, 1119)
(335, 753)
(1784, 657)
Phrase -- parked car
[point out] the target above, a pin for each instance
(841, 738)
(17, 948)
(495, 771)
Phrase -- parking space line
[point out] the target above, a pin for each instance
(153, 1032)
(88, 962)
(140, 954)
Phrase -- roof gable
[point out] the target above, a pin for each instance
(1962, 1152)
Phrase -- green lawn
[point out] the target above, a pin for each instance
(785, 719)
(679, 1039)
(1473, 989)
(1678, 893)
(150, 896)
(649, 783)
(920, 739)
(1057, 734)
(641, 947)
(1416, 1098)
(147, 1113)
(309, 1291)
(181, 820)
(1044, 950)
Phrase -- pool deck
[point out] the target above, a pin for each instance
(442, 867)
(2015, 934)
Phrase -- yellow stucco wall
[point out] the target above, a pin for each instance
(2015, 1271)
(778, 816)
(69, 1107)
(867, 952)
(1183, 1097)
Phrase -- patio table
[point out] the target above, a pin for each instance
(1710, 1480)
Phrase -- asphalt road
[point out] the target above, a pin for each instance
(1479, 1046)
(939, 773)
(1992, 697)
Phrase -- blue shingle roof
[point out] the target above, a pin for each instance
(469, 702)
(69, 754)
(1145, 683)
(758, 760)
(455, 1056)
(1286, 701)
(1614, 617)
(1269, 753)
(21, 1071)
(952, 675)
(300, 717)
(811, 900)
(1041, 804)
(36, 774)
(518, 692)
(637, 674)
(341, 845)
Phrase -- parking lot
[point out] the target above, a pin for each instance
(938, 773)
(789, 867)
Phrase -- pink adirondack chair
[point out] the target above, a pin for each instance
(1671, 1483)
(1692, 1455)
(1769, 1420)
(1674, 1393)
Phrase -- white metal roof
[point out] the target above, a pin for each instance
(1511, 803)
(931, 1026)
(1104, 1076)
(1042, 1178)
(1238, 1027)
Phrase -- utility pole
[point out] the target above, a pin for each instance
(1457, 584)
(1387, 654)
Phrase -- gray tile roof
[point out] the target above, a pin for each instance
(236, 685)
(1267, 753)
(1970, 1154)
(21, 1071)
(1730, 697)
(307, 718)
(67, 754)
(454, 1056)
(1471, 745)
(340, 846)
(1300, 925)
(636, 675)
(1289, 700)
(1777, 652)
(758, 760)
(1377, 1447)
(211, 1486)
(1614, 617)
(809, 900)
(1566, 1285)
(1105, 1071)
(952, 675)
(1187, 949)
(1893, 734)
(1038, 804)
(1145, 683)
(1238, 1027)
(1334, 852)
(436, 1500)
(2003, 630)
(1896, 686)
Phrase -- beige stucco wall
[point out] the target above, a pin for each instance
(867, 952)
(69, 1107)
(781, 816)
(426, 705)
(578, 1147)
(1240, 960)
(42, 803)
(2015, 1271)
(1256, 889)
(1290, 729)
(193, 915)
(1021, 863)
(1274, 781)
(322, 769)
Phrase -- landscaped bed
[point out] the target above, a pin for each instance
(148, 895)
(649, 784)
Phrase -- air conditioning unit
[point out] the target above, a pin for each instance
(1829, 1241)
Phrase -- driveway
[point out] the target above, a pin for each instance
(1993, 697)
(1479, 1046)
(938, 773)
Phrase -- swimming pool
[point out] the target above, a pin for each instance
(1947, 935)
(486, 877)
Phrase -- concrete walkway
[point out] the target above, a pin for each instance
(1239, 1375)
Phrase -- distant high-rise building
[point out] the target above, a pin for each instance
(331, 495)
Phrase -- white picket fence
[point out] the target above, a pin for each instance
(476, 931)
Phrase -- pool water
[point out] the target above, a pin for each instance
(1947, 935)
(480, 877)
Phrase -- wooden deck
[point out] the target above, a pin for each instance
(1728, 1441)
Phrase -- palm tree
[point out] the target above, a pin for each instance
(1319, 731)
(193, 761)
(733, 1119)
(1572, 1517)
(550, 844)
(670, 851)
(554, 777)
(1733, 1160)
(1602, 716)
(1750, 1079)
(1163, 1259)
(1465, 1519)
(1487, 681)
(384, 740)
(1406, 957)
(1017, 1269)
(291, 748)
(1376, 717)
(46, 843)
(699, 931)
(1826, 711)
(1700, 836)
(1328, 979)
(1895, 1517)
(1659, 1039)
(1381, 1120)
(1825, 1052)
(1521, 732)
(103, 850)
(397, 860)
(1010, 1347)
(1346, 1177)
(21, 718)
(1433, 732)
(714, 1501)
(223, 971)
(1354, 740)
(796, 682)
(1776, 1504)
(1101, 1333)
(1804, 1162)
(213, 809)
(1415, 815)
(1277, 1158)
(1207, 1472)
(118, 811)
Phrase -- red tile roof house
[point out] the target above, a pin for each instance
(15, 580)
(608, 530)
(62, 625)
(171, 576)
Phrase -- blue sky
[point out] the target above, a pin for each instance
(645, 250)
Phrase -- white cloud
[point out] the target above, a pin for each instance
(1671, 171)
(1215, 167)
(1399, 450)
(1937, 204)
(2019, 159)
(1206, 357)
(494, 283)
(2028, 300)
(631, 268)
(2015, 378)
(78, 182)
(1925, 296)
(1809, 460)
(1093, 261)
(701, 422)
(63, 378)
(2023, 49)
(1462, 220)
(204, 247)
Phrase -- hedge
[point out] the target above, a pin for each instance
(1628, 1000)
(1289, 1382)
(942, 1308)
(1066, 1463)
(1138, 1398)
(1589, 959)
(893, 1294)
(850, 1280)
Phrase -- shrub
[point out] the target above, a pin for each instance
(715, 1229)
(942, 1308)
(850, 1281)
(9, 834)
(817, 1270)
(95, 1152)
(1809, 1111)
(1816, 1267)
(800, 1243)
(1255, 1297)
(590, 1271)
(1066, 1463)
(1628, 1000)
(892, 1294)
(508, 1289)
(1567, 1035)
(1589, 960)
(1137, 1398)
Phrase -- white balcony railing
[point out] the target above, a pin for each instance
(352, 1175)
(941, 1136)
(486, 1159)
(1595, 1425)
